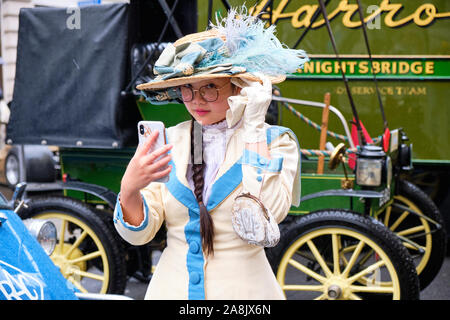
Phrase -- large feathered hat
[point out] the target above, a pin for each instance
(237, 46)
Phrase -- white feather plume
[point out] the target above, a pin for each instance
(255, 47)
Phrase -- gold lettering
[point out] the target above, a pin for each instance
(430, 11)
(376, 67)
(390, 90)
(337, 68)
(422, 91)
(340, 90)
(306, 10)
(326, 67)
(385, 67)
(352, 65)
(276, 14)
(386, 90)
(393, 9)
(424, 15)
(394, 67)
(412, 91)
(403, 67)
(331, 15)
(429, 67)
(367, 90)
(309, 67)
(350, 11)
(416, 67)
(363, 67)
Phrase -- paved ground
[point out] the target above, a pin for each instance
(439, 289)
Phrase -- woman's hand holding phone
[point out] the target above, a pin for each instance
(141, 171)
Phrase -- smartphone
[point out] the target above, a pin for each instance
(145, 129)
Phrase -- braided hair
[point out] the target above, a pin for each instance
(206, 222)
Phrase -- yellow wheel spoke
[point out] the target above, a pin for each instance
(399, 220)
(77, 284)
(369, 269)
(413, 247)
(372, 289)
(353, 258)
(387, 216)
(86, 257)
(323, 296)
(348, 249)
(75, 244)
(307, 271)
(299, 287)
(335, 241)
(353, 296)
(319, 258)
(62, 235)
(88, 275)
(411, 230)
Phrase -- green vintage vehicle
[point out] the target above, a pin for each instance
(360, 232)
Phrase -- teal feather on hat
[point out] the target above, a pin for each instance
(254, 47)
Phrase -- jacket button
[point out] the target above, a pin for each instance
(262, 161)
(259, 178)
(194, 247)
(194, 278)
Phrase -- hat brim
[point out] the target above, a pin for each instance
(175, 82)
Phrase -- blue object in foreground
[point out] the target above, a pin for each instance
(26, 271)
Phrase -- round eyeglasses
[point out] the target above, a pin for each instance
(209, 92)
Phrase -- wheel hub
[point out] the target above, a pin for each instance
(64, 263)
(334, 292)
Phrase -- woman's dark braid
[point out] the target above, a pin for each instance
(206, 222)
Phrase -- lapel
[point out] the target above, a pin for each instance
(179, 136)
(228, 178)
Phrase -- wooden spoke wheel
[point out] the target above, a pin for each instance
(423, 233)
(87, 252)
(340, 255)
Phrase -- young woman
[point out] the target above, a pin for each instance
(227, 149)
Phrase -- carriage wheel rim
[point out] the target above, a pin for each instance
(69, 258)
(337, 282)
(424, 228)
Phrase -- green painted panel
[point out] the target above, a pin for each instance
(170, 114)
(402, 27)
(420, 108)
(98, 166)
(411, 44)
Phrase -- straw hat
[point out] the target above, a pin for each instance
(238, 46)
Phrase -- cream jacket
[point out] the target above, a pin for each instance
(237, 270)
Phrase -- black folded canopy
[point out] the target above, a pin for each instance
(69, 78)
(70, 73)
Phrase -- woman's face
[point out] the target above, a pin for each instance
(206, 112)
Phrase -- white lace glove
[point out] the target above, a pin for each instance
(252, 103)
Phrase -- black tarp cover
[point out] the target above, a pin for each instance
(68, 80)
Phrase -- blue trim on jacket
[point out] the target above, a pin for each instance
(194, 258)
(119, 216)
(254, 159)
(221, 189)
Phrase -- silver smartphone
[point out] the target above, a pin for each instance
(145, 129)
